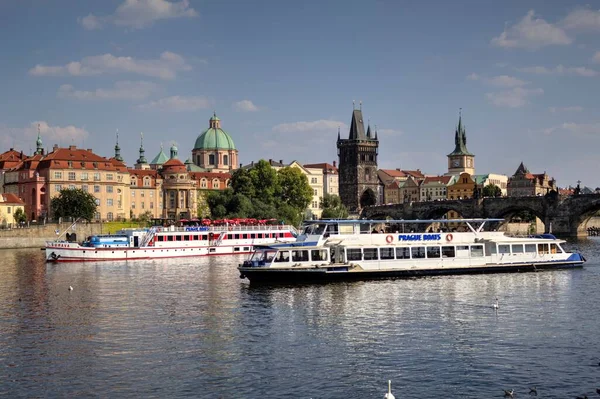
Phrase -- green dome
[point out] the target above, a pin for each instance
(214, 138)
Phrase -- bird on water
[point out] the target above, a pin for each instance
(509, 393)
(389, 395)
(533, 391)
(495, 305)
(70, 288)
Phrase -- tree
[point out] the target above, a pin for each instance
(293, 188)
(74, 203)
(265, 181)
(20, 216)
(492, 190)
(332, 207)
(145, 217)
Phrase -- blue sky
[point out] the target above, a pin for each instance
(282, 77)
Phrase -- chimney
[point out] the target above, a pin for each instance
(252, 163)
(72, 147)
(241, 166)
(54, 147)
(270, 162)
(334, 164)
(281, 161)
(89, 149)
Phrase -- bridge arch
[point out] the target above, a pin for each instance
(509, 212)
(581, 210)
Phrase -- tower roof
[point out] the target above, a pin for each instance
(357, 126)
(460, 140)
(214, 137)
(160, 158)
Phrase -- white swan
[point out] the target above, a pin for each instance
(70, 288)
(495, 305)
(389, 395)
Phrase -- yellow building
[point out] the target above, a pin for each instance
(9, 203)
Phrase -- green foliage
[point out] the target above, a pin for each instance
(492, 190)
(74, 203)
(263, 193)
(20, 216)
(332, 207)
(145, 217)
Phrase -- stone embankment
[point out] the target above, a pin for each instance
(36, 236)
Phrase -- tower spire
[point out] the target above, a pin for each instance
(38, 143)
(118, 156)
(142, 158)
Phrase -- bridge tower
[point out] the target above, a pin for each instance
(358, 181)
(460, 160)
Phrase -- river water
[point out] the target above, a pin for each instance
(192, 328)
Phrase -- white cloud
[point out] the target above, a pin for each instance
(575, 108)
(26, 136)
(165, 67)
(560, 70)
(124, 90)
(312, 126)
(582, 19)
(498, 81)
(245, 106)
(531, 32)
(138, 14)
(178, 104)
(513, 98)
(576, 129)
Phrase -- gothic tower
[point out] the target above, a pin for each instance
(358, 181)
(460, 160)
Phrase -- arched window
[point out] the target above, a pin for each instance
(225, 160)
(198, 160)
(203, 183)
(215, 183)
(211, 159)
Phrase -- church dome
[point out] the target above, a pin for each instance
(214, 137)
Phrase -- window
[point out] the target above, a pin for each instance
(433, 252)
(402, 253)
(71, 175)
(477, 251)
(146, 181)
(315, 191)
(96, 189)
(225, 160)
(386, 253)
(142, 194)
(504, 249)
(57, 187)
(530, 248)
(315, 204)
(84, 175)
(132, 193)
(543, 249)
(96, 176)
(318, 254)
(554, 249)
(58, 175)
(370, 253)
(152, 205)
(109, 176)
(313, 180)
(283, 256)
(97, 201)
(71, 187)
(448, 252)
(211, 159)
(109, 202)
(143, 207)
(517, 248)
(84, 188)
(109, 189)
(8, 209)
(109, 216)
(300, 256)
(353, 254)
(418, 252)
(215, 183)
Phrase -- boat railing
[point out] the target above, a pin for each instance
(148, 236)
(216, 229)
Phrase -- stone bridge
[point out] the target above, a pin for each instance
(565, 216)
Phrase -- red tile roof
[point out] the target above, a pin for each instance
(12, 199)
(11, 159)
(437, 179)
(328, 168)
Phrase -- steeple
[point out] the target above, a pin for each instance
(118, 156)
(357, 127)
(39, 150)
(338, 133)
(142, 158)
(460, 138)
(174, 150)
(369, 131)
(215, 122)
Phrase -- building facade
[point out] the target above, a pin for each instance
(435, 188)
(462, 188)
(9, 204)
(358, 182)
(523, 183)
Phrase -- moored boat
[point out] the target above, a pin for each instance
(333, 250)
(170, 242)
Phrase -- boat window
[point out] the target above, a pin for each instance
(204, 237)
(268, 257)
(245, 236)
(530, 248)
(229, 236)
(257, 255)
(386, 253)
(448, 252)
(353, 254)
(370, 254)
(418, 252)
(462, 247)
(283, 256)
(252, 236)
(504, 249)
(476, 251)
(300, 256)
(554, 249)
(517, 248)
(492, 248)
(196, 237)
(179, 238)
(236, 236)
(543, 249)
(160, 238)
(316, 228)
(403, 253)
(433, 252)
(170, 238)
(318, 254)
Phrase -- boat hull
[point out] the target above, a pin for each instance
(343, 273)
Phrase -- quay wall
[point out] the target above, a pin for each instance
(36, 236)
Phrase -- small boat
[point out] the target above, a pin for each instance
(169, 242)
(333, 250)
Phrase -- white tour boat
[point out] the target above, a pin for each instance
(169, 242)
(332, 250)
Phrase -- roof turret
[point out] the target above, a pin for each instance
(161, 158)
(118, 156)
(214, 137)
(460, 139)
(142, 158)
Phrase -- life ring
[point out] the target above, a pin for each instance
(389, 239)
(449, 237)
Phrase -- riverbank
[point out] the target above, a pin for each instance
(36, 236)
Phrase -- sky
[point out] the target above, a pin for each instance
(283, 77)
